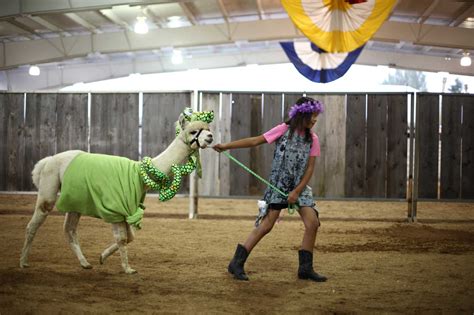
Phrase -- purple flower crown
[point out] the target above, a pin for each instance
(306, 108)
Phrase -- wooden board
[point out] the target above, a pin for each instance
(12, 146)
(224, 137)
(467, 191)
(72, 122)
(40, 131)
(428, 145)
(256, 187)
(450, 181)
(241, 127)
(397, 145)
(376, 145)
(114, 124)
(209, 157)
(354, 185)
(272, 116)
(335, 138)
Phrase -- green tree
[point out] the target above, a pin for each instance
(414, 79)
(456, 87)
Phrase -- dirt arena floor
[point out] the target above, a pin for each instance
(375, 261)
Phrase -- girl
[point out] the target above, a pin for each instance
(292, 167)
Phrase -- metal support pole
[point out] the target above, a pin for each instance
(193, 178)
(411, 159)
(416, 164)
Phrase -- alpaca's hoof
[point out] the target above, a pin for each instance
(102, 259)
(130, 271)
(24, 265)
(86, 266)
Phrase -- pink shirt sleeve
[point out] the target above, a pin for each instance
(278, 131)
(315, 148)
(275, 133)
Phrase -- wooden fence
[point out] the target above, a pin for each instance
(364, 138)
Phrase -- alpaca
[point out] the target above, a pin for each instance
(49, 173)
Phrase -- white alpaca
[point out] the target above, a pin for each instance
(48, 176)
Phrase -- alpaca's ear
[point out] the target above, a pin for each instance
(185, 117)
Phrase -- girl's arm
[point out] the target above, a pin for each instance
(242, 143)
(295, 193)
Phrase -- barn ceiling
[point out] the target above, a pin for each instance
(82, 41)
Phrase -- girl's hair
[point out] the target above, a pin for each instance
(300, 116)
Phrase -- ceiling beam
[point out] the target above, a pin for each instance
(260, 9)
(109, 14)
(11, 8)
(153, 17)
(187, 11)
(426, 14)
(463, 13)
(46, 50)
(76, 18)
(30, 31)
(223, 10)
(41, 21)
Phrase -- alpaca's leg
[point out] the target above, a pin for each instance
(114, 247)
(70, 230)
(120, 235)
(44, 204)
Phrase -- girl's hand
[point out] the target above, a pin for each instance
(219, 147)
(293, 197)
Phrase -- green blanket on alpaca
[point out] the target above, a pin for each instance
(103, 186)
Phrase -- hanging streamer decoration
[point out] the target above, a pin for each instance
(316, 64)
(338, 25)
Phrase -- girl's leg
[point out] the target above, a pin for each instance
(311, 225)
(236, 265)
(305, 255)
(263, 229)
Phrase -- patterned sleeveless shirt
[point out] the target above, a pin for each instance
(290, 160)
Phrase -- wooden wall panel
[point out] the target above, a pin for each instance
(335, 138)
(397, 145)
(428, 144)
(467, 191)
(376, 172)
(318, 180)
(256, 187)
(272, 116)
(114, 124)
(355, 146)
(72, 124)
(40, 131)
(12, 142)
(224, 137)
(450, 181)
(243, 106)
(210, 158)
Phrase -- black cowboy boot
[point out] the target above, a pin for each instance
(305, 270)
(236, 265)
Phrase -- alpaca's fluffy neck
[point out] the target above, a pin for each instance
(176, 153)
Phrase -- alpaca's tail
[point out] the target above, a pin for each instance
(37, 170)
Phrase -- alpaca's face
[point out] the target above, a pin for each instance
(198, 134)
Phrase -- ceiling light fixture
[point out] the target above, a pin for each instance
(140, 26)
(465, 60)
(34, 71)
(177, 57)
